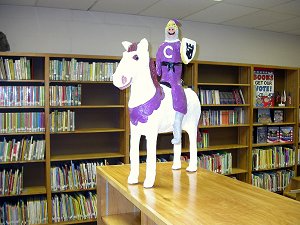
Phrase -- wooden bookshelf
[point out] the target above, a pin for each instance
(101, 128)
(285, 79)
(225, 138)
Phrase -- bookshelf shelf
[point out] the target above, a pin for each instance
(220, 126)
(277, 168)
(224, 84)
(74, 190)
(76, 222)
(273, 124)
(28, 191)
(272, 144)
(79, 82)
(83, 156)
(225, 105)
(88, 107)
(164, 151)
(237, 171)
(22, 162)
(22, 133)
(22, 81)
(223, 147)
(92, 130)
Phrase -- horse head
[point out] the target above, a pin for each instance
(133, 65)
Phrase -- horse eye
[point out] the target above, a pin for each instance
(135, 57)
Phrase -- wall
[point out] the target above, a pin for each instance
(34, 29)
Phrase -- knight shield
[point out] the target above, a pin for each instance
(187, 50)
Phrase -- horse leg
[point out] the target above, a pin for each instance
(151, 160)
(133, 177)
(193, 149)
(177, 153)
(177, 128)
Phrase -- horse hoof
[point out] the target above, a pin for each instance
(175, 141)
(148, 183)
(176, 166)
(132, 180)
(191, 168)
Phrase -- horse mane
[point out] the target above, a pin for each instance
(153, 73)
(133, 47)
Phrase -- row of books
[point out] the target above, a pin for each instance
(31, 211)
(81, 71)
(74, 176)
(22, 96)
(274, 134)
(274, 180)
(61, 121)
(220, 162)
(78, 206)
(26, 149)
(272, 158)
(65, 95)
(203, 139)
(218, 97)
(11, 181)
(222, 117)
(18, 69)
(22, 122)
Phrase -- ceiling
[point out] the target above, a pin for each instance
(272, 15)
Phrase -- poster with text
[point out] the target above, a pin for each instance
(263, 88)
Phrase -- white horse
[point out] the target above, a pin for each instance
(151, 111)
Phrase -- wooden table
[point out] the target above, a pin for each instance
(179, 198)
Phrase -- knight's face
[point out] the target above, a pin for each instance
(171, 30)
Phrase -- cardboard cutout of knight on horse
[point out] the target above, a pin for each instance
(151, 110)
(169, 57)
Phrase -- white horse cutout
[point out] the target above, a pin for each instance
(151, 111)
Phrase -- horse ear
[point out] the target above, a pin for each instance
(126, 44)
(144, 43)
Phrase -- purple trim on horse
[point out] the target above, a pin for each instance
(141, 112)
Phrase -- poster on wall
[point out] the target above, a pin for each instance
(263, 87)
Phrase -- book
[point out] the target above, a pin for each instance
(264, 115)
(286, 134)
(263, 88)
(273, 135)
(278, 116)
(261, 135)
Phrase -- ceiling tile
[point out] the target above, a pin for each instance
(220, 12)
(260, 4)
(18, 2)
(117, 6)
(176, 9)
(66, 4)
(292, 7)
(287, 25)
(261, 18)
